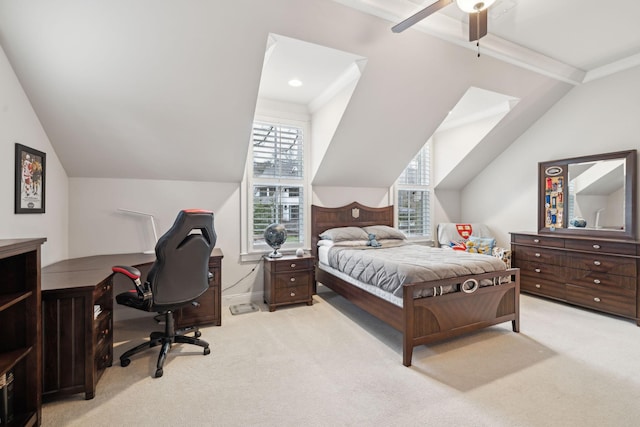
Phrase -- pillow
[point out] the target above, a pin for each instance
(480, 245)
(383, 232)
(341, 234)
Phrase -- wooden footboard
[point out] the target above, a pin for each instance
(431, 319)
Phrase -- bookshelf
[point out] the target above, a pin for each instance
(20, 327)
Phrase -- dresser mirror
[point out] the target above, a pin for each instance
(589, 196)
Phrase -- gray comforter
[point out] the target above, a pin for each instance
(390, 268)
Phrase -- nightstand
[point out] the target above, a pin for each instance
(288, 280)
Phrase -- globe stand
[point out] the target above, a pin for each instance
(275, 254)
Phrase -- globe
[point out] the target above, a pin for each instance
(275, 235)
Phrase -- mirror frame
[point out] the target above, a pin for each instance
(630, 226)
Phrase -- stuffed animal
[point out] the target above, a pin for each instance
(373, 242)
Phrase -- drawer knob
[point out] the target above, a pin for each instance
(293, 279)
(293, 265)
(536, 240)
(596, 262)
(537, 270)
(538, 286)
(596, 281)
(537, 255)
(596, 246)
(105, 332)
(293, 294)
(596, 299)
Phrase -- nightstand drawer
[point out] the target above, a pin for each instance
(296, 264)
(292, 294)
(293, 279)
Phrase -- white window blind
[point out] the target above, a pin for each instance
(278, 181)
(413, 195)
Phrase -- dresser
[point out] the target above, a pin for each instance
(596, 273)
(288, 280)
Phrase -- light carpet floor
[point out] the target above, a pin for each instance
(331, 364)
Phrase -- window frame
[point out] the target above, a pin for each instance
(250, 251)
(427, 188)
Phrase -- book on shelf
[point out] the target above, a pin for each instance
(6, 398)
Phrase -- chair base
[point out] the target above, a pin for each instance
(166, 338)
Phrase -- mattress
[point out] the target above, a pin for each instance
(388, 269)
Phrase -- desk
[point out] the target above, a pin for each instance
(78, 346)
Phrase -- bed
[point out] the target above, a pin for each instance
(420, 319)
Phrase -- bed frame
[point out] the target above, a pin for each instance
(421, 320)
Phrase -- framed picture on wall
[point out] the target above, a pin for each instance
(31, 167)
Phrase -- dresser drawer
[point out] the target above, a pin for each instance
(292, 294)
(601, 246)
(538, 240)
(602, 300)
(621, 266)
(539, 255)
(624, 285)
(540, 271)
(294, 265)
(548, 288)
(284, 280)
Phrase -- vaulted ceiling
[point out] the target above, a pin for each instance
(159, 89)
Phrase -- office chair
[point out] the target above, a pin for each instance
(176, 279)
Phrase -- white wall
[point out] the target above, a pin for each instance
(19, 124)
(598, 117)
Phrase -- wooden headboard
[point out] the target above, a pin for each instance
(353, 215)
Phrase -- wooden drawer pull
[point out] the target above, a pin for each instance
(596, 281)
(596, 262)
(596, 299)
(596, 246)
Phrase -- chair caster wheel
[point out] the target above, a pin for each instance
(197, 334)
(159, 373)
(125, 362)
(207, 351)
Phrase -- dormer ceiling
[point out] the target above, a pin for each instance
(168, 90)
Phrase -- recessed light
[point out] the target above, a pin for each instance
(295, 83)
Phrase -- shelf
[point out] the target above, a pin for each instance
(8, 300)
(9, 359)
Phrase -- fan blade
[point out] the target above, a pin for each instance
(478, 25)
(419, 16)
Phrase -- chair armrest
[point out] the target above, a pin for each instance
(134, 274)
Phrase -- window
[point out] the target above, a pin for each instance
(413, 195)
(277, 183)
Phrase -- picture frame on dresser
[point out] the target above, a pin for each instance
(30, 180)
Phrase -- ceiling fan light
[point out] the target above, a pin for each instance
(469, 6)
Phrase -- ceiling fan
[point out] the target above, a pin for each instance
(476, 9)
